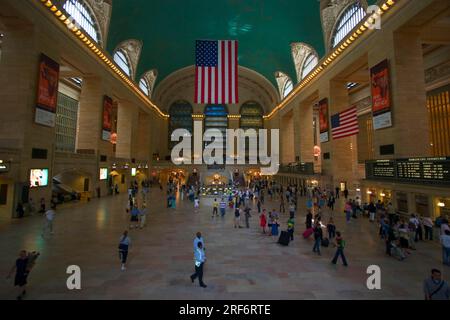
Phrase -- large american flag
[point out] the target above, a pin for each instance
(216, 74)
(345, 124)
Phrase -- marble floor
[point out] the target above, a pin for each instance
(242, 263)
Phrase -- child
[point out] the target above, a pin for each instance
(291, 223)
(275, 226)
(196, 204)
(263, 221)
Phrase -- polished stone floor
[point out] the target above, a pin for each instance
(242, 263)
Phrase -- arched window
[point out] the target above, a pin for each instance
(311, 62)
(288, 87)
(180, 118)
(251, 116)
(349, 19)
(143, 84)
(216, 117)
(122, 61)
(83, 16)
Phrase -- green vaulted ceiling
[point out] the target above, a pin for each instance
(265, 29)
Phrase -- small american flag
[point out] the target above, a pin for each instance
(345, 124)
(216, 72)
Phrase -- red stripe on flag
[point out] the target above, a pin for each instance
(216, 86)
(223, 72)
(202, 99)
(196, 86)
(211, 84)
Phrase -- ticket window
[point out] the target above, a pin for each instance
(442, 207)
(386, 197)
(371, 196)
(402, 202)
(422, 205)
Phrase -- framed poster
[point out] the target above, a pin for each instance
(107, 118)
(103, 174)
(38, 178)
(381, 96)
(324, 121)
(47, 92)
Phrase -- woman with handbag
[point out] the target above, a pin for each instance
(124, 245)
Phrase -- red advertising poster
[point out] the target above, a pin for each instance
(324, 121)
(107, 118)
(47, 97)
(381, 95)
(381, 100)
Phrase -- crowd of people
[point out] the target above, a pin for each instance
(399, 233)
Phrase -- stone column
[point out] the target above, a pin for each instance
(22, 46)
(304, 129)
(409, 112)
(287, 138)
(144, 137)
(127, 128)
(343, 161)
(90, 115)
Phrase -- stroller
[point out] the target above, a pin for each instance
(397, 252)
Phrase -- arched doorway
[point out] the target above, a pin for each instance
(216, 117)
(180, 118)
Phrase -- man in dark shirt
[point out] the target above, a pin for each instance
(318, 235)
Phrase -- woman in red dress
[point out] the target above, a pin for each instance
(263, 220)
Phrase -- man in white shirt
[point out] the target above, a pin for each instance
(49, 217)
(199, 257)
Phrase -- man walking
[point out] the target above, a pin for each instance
(318, 236)
(247, 216)
(340, 244)
(199, 238)
(199, 258)
(223, 206)
(435, 288)
(48, 226)
(215, 208)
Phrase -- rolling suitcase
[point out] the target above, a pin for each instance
(325, 243)
(308, 233)
(284, 238)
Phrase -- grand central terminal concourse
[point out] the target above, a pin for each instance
(224, 150)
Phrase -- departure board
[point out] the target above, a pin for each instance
(413, 170)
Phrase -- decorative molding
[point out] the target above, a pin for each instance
(437, 73)
(102, 10)
(133, 49)
(150, 77)
(300, 51)
(331, 12)
(281, 79)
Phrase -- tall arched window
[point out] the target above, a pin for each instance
(251, 116)
(288, 87)
(311, 62)
(180, 118)
(83, 16)
(122, 61)
(349, 19)
(143, 84)
(216, 117)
